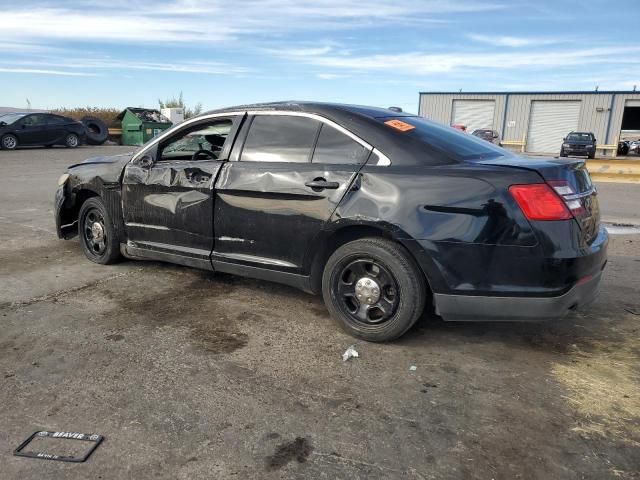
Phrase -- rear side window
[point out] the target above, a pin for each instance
(450, 141)
(335, 147)
(55, 120)
(280, 138)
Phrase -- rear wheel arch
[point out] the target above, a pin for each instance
(344, 235)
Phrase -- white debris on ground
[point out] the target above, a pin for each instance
(349, 352)
(413, 368)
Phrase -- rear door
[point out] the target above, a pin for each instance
(283, 183)
(167, 193)
(54, 128)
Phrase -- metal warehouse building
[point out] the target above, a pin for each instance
(536, 122)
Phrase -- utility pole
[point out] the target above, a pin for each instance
(28, 105)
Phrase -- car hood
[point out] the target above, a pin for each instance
(106, 168)
(122, 159)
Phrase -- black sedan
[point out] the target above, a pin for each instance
(39, 129)
(383, 213)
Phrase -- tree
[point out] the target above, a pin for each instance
(179, 103)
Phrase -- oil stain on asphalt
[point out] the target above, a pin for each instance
(298, 450)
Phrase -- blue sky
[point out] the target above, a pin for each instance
(118, 53)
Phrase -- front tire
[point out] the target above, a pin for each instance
(97, 233)
(373, 289)
(562, 154)
(72, 140)
(9, 142)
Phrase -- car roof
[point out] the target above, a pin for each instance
(315, 107)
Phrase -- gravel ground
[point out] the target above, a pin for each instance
(195, 375)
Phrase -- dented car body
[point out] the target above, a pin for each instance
(381, 212)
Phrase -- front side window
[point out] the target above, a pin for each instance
(335, 147)
(280, 138)
(198, 142)
(34, 120)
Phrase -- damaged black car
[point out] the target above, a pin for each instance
(384, 213)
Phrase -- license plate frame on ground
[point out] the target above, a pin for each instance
(91, 438)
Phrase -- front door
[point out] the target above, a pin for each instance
(168, 191)
(32, 130)
(290, 174)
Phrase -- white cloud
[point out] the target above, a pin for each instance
(211, 22)
(210, 68)
(330, 76)
(40, 71)
(513, 42)
(418, 63)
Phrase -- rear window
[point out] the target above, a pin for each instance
(444, 138)
(336, 147)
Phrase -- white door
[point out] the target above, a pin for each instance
(473, 114)
(549, 123)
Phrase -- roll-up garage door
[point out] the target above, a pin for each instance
(549, 123)
(473, 114)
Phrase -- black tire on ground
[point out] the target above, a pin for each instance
(8, 142)
(398, 286)
(97, 131)
(72, 140)
(562, 154)
(97, 233)
(48, 146)
(592, 155)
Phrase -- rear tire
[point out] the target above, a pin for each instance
(72, 140)
(97, 233)
(373, 289)
(9, 142)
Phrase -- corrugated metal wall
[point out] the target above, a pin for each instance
(438, 107)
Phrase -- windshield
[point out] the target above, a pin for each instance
(447, 139)
(10, 118)
(580, 137)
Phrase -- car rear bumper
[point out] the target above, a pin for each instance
(486, 308)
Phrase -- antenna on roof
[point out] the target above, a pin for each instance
(395, 109)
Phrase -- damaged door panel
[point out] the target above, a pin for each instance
(276, 187)
(168, 194)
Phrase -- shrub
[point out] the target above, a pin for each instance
(107, 115)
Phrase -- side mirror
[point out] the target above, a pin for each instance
(145, 161)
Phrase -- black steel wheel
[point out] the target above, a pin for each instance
(97, 235)
(374, 289)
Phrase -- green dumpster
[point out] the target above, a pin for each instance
(139, 125)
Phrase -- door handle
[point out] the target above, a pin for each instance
(318, 184)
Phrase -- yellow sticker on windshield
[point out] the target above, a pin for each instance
(399, 125)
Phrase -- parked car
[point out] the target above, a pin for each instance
(579, 143)
(383, 213)
(623, 147)
(44, 129)
(488, 135)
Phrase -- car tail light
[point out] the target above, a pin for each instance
(565, 190)
(538, 201)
